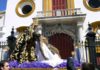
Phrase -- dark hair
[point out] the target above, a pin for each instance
(2, 63)
(70, 63)
(87, 66)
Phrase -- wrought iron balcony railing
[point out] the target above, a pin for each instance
(60, 12)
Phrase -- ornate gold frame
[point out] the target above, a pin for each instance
(20, 3)
(90, 8)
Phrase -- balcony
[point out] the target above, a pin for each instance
(60, 12)
(61, 15)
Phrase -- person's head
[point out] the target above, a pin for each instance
(38, 29)
(87, 66)
(44, 39)
(4, 65)
(70, 64)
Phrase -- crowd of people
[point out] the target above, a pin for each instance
(83, 66)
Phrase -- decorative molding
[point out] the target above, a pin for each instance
(52, 29)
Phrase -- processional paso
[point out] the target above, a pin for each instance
(31, 45)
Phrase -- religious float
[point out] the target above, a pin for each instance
(34, 52)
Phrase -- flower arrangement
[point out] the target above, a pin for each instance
(38, 64)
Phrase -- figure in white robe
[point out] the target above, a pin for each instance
(45, 52)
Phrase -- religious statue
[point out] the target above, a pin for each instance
(33, 46)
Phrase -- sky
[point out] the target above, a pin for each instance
(3, 4)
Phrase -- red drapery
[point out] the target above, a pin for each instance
(58, 5)
(63, 42)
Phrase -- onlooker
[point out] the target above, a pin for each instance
(4, 65)
(70, 64)
(87, 66)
